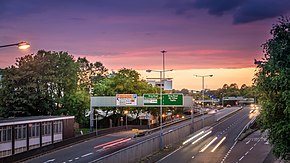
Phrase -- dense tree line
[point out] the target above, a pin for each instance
(273, 83)
(226, 90)
(54, 83)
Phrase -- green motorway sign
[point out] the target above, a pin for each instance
(168, 99)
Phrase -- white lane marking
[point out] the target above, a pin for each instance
(77, 158)
(51, 160)
(248, 142)
(169, 155)
(213, 140)
(229, 152)
(246, 153)
(251, 148)
(85, 155)
(218, 144)
(70, 160)
(241, 158)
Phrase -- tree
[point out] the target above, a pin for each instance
(273, 84)
(125, 81)
(90, 73)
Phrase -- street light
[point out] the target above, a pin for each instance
(126, 112)
(161, 83)
(161, 98)
(96, 114)
(163, 62)
(21, 45)
(203, 76)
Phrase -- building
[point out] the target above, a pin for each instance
(26, 133)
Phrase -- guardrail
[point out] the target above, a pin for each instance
(249, 124)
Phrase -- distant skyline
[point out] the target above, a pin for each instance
(201, 36)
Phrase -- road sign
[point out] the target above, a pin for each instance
(168, 99)
(126, 99)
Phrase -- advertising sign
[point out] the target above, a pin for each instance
(126, 99)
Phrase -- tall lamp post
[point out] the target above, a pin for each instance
(161, 99)
(21, 45)
(162, 78)
(96, 114)
(202, 109)
(126, 112)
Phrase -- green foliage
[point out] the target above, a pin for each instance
(273, 83)
(48, 83)
(125, 81)
(90, 73)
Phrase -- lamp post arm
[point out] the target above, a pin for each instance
(3, 46)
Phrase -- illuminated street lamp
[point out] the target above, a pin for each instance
(21, 45)
(126, 112)
(203, 76)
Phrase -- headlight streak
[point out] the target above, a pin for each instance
(210, 143)
(201, 137)
(188, 140)
(218, 144)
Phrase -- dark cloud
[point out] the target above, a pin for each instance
(243, 11)
(260, 9)
(218, 7)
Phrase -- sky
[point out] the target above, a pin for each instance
(201, 37)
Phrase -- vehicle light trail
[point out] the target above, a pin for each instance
(218, 144)
(119, 142)
(109, 143)
(210, 143)
(188, 140)
(201, 137)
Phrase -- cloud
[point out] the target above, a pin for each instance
(242, 11)
(256, 10)
(219, 7)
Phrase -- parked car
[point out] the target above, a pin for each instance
(228, 106)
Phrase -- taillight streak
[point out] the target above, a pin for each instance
(119, 142)
(109, 143)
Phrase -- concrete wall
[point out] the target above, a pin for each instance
(140, 150)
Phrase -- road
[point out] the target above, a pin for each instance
(254, 148)
(101, 146)
(211, 145)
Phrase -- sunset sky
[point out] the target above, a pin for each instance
(219, 37)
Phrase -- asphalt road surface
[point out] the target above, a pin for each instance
(254, 148)
(211, 145)
(101, 146)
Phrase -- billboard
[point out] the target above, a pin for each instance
(168, 99)
(126, 99)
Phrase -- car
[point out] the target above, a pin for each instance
(141, 133)
(228, 106)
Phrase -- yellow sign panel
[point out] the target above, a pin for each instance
(135, 130)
